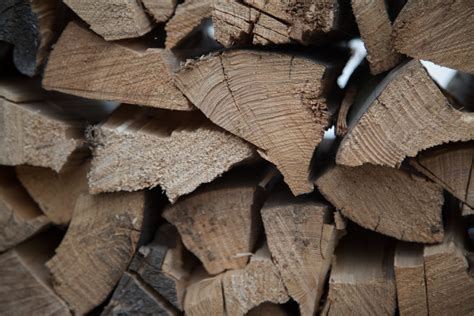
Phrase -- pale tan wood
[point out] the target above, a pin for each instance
(302, 237)
(361, 280)
(410, 280)
(452, 167)
(39, 134)
(113, 19)
(187, 17)
(97, 248)
(404, 114)
(387, 200)
(25, 286)
(275, 101)
(375, 29)
(204, 297)
(257, 283)
(20, 217)
(86, 65)
(439, 31)
(178, 151)
(161, 10)
(219, 222)
(55, 193)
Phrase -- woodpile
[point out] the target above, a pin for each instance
(236, 157)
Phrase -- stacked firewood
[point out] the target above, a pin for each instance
(162, 157)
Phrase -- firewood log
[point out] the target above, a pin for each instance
(274, 101)
(160, 10)
(204, 296)
(438, 31)
(86, 65)
(178, 151)
(97, 248)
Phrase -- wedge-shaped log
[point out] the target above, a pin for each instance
(20, 217)
(404, 114)
(187, 18)
(375, 29)
(220, 221)
(55, 193)
(86, 65)
(452, 167)
(178, 151)
(275, 101)
(204, 296)
(257, 283)
(439, 31)
(387, 200)
(25, 286)
(97, 248)
(302, 237)
(362, 281)
(161, 10)
(115, 19)
(29, 25)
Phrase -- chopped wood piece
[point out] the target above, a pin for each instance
(275, 101)
(29, 25)
(259, 282)
(302, 239)
(97, 248)
(20, 217)
(404, 114)
(113, 19)
(204, 297)
(386, 200)
(375, 29)
(219, 222)
(439, 31)
(165, 265)
(134, 297)
(178, 151)
(161, 10)
(187, 17)
(36, 134)
(449, 281)
(25, 287)
(452, 167)
(84, 64)
(55, 193)
(410, 280)
(362, 281)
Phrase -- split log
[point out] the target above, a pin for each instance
(388, 126)
(20, 217)
(134, 297)
(375, 28)
(452, 167)
(410, 280)
(187, 18)
(362, 281)
(106, 229)
(386, 200)
(178, 151)
(219, 222)
(55, 193)
(160, 10)
(165, 265)
(302, 237)
(29, 25)
(257, 283)
(37, 134)
(204, 296)
(86, 65)
(25, 287)
(439, 31)
(275, 101)
(277, 22)
(113, 20)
